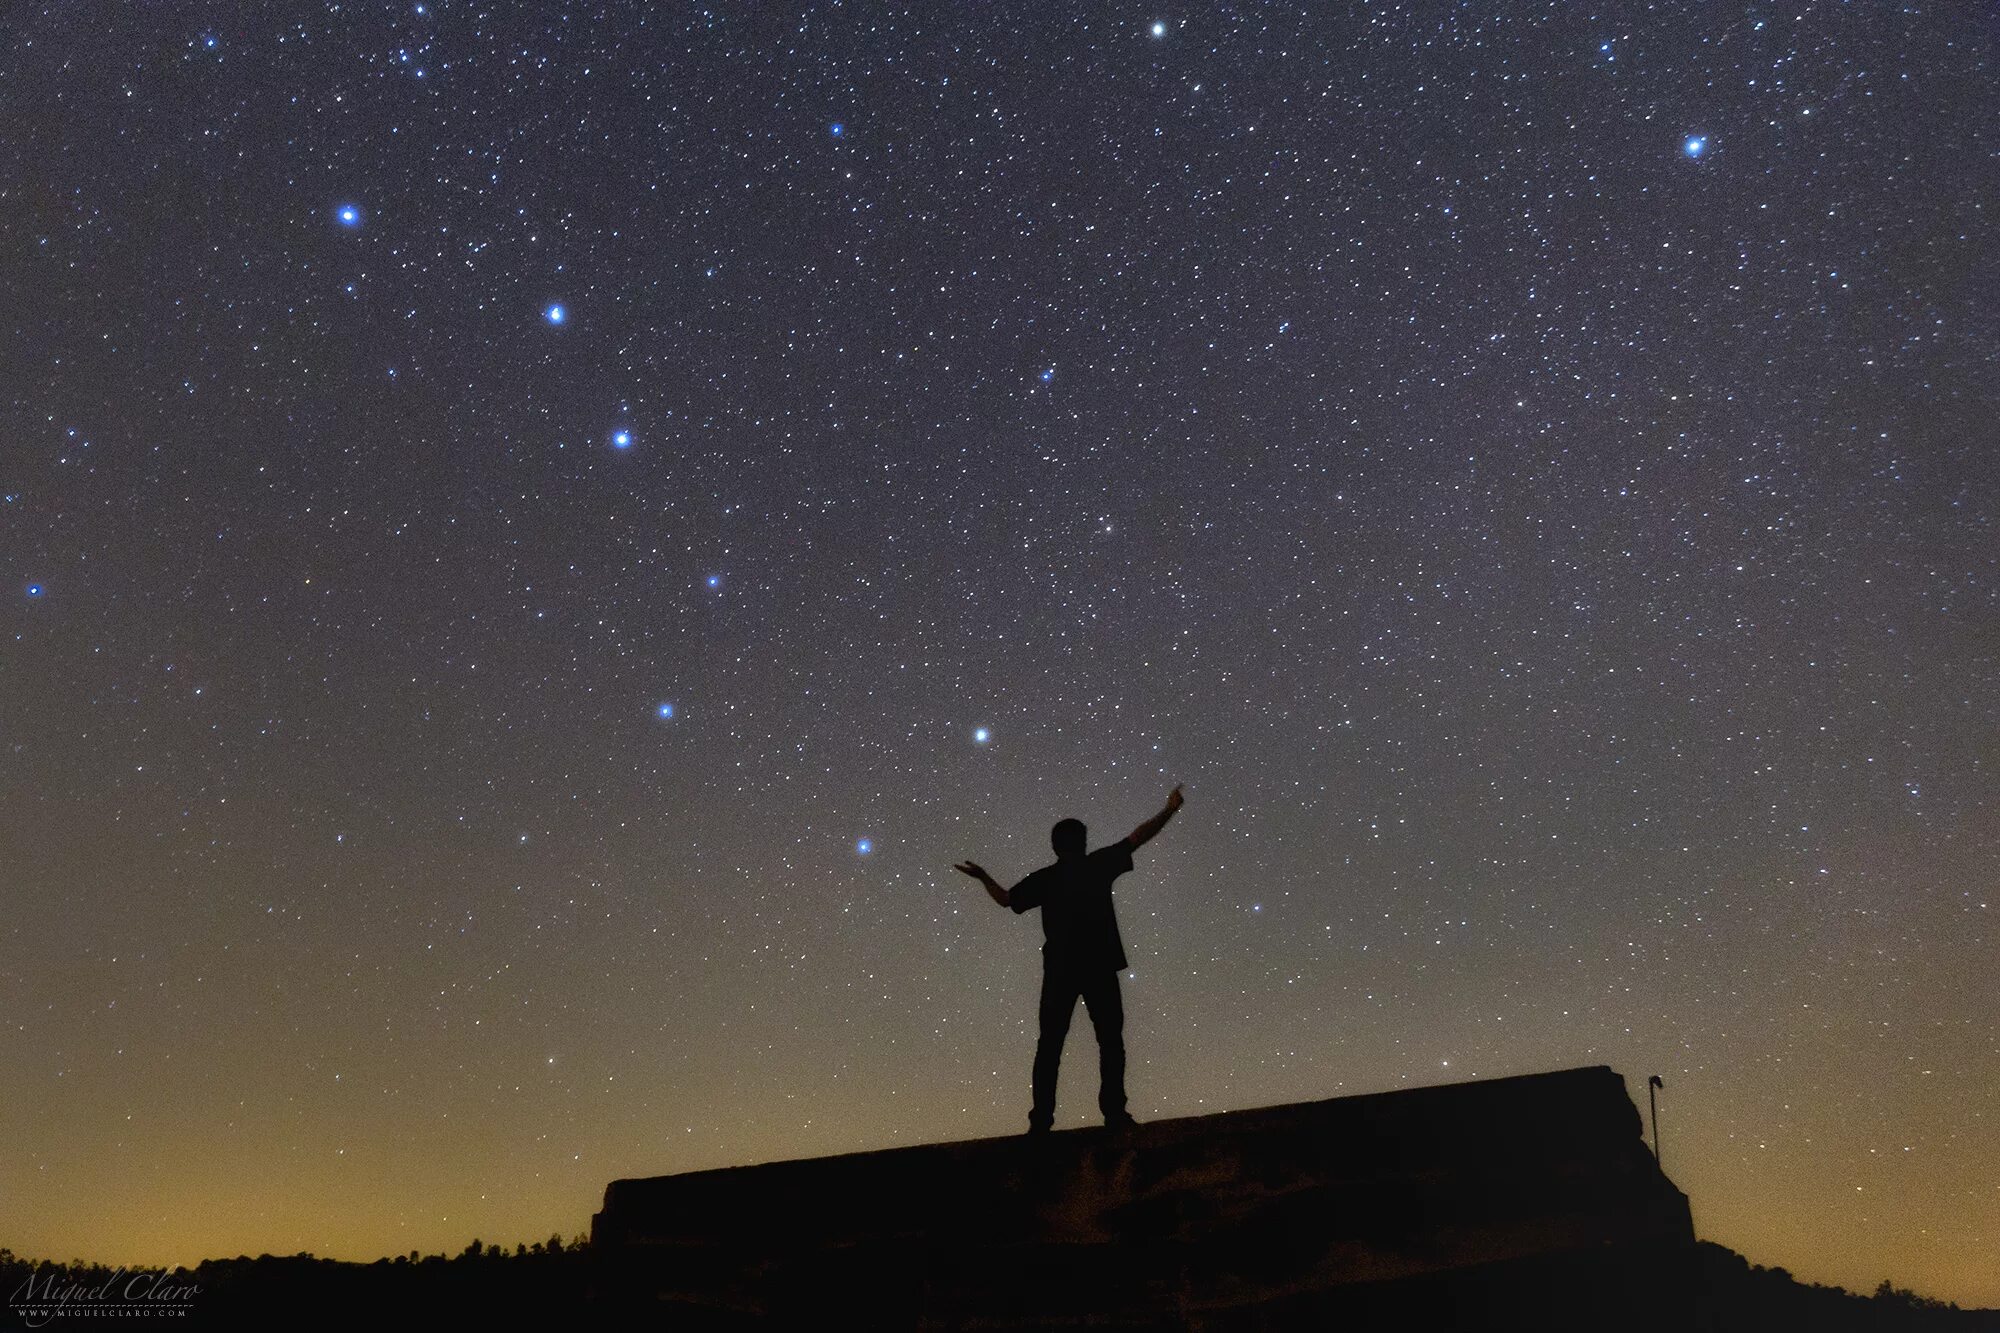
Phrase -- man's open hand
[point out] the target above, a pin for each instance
(1174, 797)
(978, 872)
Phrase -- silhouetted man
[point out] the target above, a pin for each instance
(1081, 955)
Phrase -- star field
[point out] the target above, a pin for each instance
(541, 534)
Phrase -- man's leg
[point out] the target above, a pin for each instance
(1107, 1015)
(1059, 990)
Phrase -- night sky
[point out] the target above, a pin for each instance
(533, 537)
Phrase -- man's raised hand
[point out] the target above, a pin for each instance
(993, 887)
(1144, 834)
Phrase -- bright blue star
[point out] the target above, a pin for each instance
(1695, 145)
(348, 216)
(621, 439)
(555, 314)
(208, 42)
(1048, 374)
(665, 710)
(837, 130)
(864, 846)
(714, 580)
(34, 590)
(1159, 30)
(981, 735)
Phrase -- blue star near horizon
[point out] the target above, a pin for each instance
(348, 216)
(621, 439)
(555, 315)
(1695, 145)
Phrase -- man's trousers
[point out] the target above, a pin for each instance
(1062, 985)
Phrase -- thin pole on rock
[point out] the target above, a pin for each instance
(1653, 1085)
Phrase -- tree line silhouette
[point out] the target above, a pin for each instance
(552, 1279)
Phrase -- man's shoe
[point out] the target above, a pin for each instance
(1037, 1131)
(1120, 1121)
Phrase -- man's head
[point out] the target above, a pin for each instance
(1067, 838)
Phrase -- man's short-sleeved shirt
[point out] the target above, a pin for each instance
(1079, 925)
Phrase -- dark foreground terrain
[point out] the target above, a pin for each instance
(1527, 1202)
(553, 1288)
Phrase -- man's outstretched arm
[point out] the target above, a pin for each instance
(993, 886)
(1140, 836)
